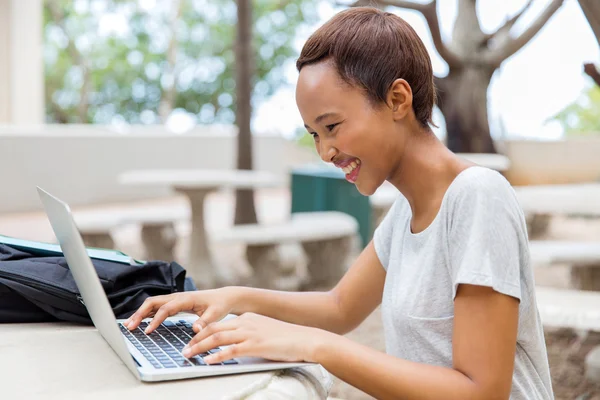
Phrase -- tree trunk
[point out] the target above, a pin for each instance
(245, 212)
(462, 98)
(169, 93)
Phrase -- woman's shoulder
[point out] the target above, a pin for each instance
(479, 181)
(479, 186)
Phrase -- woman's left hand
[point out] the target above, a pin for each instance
(253, 335)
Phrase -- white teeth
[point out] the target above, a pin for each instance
(350, 167)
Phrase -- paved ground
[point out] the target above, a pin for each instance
(565, 350)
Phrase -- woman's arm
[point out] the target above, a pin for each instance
(339, 310)
(484, 345)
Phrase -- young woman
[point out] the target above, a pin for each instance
(449, 264)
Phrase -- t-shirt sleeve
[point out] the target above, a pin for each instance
(382, 237)
(487, 238)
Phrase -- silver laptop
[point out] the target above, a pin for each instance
(153, 357)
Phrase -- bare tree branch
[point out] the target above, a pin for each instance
(504, 30)
(61, 116)
(512, 45)
(361, 3)
(591, 10)
(409, 5)
(429, 11)
(593, 72)
(59, 19)
(167, 100)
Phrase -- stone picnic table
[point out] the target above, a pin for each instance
(63, 361)
(196, 184)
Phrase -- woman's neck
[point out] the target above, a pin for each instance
(425, 172)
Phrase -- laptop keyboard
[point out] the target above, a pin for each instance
(162, 348)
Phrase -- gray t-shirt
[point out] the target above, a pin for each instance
(478, 237)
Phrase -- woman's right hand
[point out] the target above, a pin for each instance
(209, 305)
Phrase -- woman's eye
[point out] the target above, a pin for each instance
(330, 127)
(315, 135)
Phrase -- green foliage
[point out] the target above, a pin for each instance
(583, 116)
(114, 53)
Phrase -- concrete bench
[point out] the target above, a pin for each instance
(565, 308)
(583, 257)
(96, 229)
(326, 238)
(157, 228)
(574, 309)
(541, 202)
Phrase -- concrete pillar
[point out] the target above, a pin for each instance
(21, 62)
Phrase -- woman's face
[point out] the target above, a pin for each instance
(348, 130)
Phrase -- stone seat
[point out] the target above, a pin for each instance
(96, 228)
(574, 309)
(325, 236)
(381, 201)
(566, 308)
(583, 257)
(157, 232)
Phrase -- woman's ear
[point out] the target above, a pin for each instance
(400, 99)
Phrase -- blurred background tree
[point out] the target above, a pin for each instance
(143, 61)
(136, 61)
(583, 116)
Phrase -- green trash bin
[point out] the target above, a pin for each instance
(325, 188)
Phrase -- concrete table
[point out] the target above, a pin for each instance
(196, 184)
(67, 361)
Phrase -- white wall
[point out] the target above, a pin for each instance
(80, 164)
(552, 162)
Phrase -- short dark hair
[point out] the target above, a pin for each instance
(371, 48)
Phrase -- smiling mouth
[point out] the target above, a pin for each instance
(351, 169)
(351, 166)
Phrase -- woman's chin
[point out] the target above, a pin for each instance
(365, 188)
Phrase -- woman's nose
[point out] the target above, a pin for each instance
(327, 152)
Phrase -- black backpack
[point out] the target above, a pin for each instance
(37, 286)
